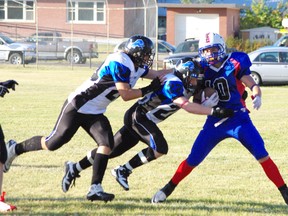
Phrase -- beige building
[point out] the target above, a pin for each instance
(191, 20)
(108, 18)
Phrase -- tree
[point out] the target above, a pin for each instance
(260, 15)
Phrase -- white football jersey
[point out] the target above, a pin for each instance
(94, 95)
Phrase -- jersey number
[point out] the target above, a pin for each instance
(163, 114)
(222, 88)
(112, 95)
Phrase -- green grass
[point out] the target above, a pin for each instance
(228, 182)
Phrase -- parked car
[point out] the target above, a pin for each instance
(16, 52)
(164, 49)
(283, 41)
(188, 48)
(51, 45)
(269, 65)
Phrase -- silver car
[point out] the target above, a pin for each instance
(164, 49)
(269, 65)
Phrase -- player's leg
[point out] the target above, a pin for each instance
(65, 128)
(123, 141)
(252, 140)
(149, 133)
(207, 139)
(100, 130)
(3, 156)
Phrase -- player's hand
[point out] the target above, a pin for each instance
(222, 112)
(10, 84)
(211, 101)
(154, 85)
(256, 102)
(3, 90)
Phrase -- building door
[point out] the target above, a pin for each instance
(194, 25)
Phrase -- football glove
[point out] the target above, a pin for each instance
(10, 84)
(222, 112)
(3, 91)
(211, 101)
(154, 85)
(256, 102)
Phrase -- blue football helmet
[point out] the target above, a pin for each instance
(141, 50)
(187, 69)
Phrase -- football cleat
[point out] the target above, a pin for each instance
(11, 154)
(162, 194)
(284, 194)
(4, 207)
(121, 174)
(96, 193)
(69, 176)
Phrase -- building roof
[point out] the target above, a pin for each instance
(265, 28)
(169, 5)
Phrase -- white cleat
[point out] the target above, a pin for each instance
(160, 196)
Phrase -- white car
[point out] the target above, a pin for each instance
(269, 65)
(14, 52)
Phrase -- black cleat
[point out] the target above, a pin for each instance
(96, 193)
(121, 175)
(69, 176)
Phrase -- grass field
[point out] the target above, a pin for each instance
(228, 182)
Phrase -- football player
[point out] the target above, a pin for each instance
(140, 123)
(228, 74)
(85, 107)
(4, 88)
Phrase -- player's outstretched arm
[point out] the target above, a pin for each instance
(195, 108)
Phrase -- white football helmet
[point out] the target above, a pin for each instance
(212, 40)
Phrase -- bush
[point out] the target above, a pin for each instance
(246, 45)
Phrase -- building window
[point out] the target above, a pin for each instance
(17, 10)
(86, 11)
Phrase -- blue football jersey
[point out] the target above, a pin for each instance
(226, 80)
(159, 104)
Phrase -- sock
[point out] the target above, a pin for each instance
(272, 172)
(99, 167)
(282, 188)
(183, 170)
(87, 161)
(143, 157)
(32, 144)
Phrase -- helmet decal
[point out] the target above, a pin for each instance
(138, 43)
(207, 38)
(212, 40)
(141, 50)
(186, 69)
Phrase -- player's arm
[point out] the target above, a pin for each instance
(195, 108)
(157, 73)
(127, 93)
(250, 83)
(255, 89)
